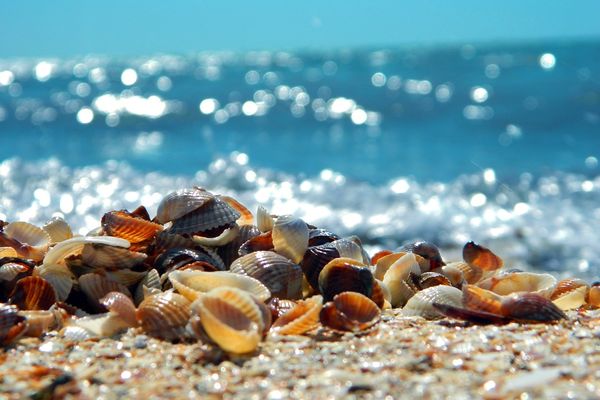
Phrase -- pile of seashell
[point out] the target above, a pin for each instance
(205, 268)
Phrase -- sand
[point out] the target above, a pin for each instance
(402, 357)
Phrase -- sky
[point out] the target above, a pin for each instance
(61, 28)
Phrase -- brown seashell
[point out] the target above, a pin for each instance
(470, 273)
(531, 307)
(110, 257)
(398, 277)
(281, 276)
(317, 237)
(127, 226)
(379, 255)
(121, 305)
(178, 257)
(474, 316)
(572, 299)
(264, 241)
(290, 237)
(430, 279)
(279, 306)
(96, 286)
(345, 275)
(42, 321)
(421, 304)
(150, 281)
(303, 317)
(9, 270)
(230, 252)
(12, 325)
(214, 214)
(476, 298)
(75, 245)
(28, 240)
(567, 285)
(8, 252)
(593, 296)
(33, 293)
(386, 262)
(164, 316)
(428, 251)
(59, 276)
(246, 217)
(350, 311)
(177, 204)
(481, 257)
(380, 293)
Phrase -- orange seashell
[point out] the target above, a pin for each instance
(164, 316)
(96, 286)
(378, 294)
(279, 306)
(303, 317)
(476, 298)
(345, 275)
(246, 217)
(213, 214)
(481, 257)
(471, 273)
(33, 293)
(350, 311)
(430, 279)
(593, 296)
(380, 254)
(264, 241)
(127, 226)
(531, 307)
(567, 285)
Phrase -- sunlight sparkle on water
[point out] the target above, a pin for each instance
(547, 61)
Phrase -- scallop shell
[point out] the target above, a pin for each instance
(350, 311)
(164, 316)
(75, 245)
(421, 304)
(565, 286)
(481, 257)
(231, 318)
(246, 217)
(264, 221)
(124, 225)
(110, 257)
(282, 277)
(178, 257)
(345, 275)
(317, 237)
(192, 284)
(96, 286)
(121, 305)
(58, 229)
(33, 293)
(33, 241)
(542, 284)
(264, 242)
(177, 204)
(290, 237)
(59, 276)
(125, 277)
(301, 318)
(396, 278)
(76, 333)
(476, 298)
(12, 325)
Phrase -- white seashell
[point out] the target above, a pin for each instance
(102, 325)
(75, 245)
(110, 257)
(264, 221)
(10, 270)
(121, 305)
(290, 237)
(25, 233)
(192, 284)
(181, 202)
(58, 229)
(421, 303)
(396, 278)
(59, 276)
(348, 249)
(246, 217)
(76, 333)
(573, 299)
(514, 282)
(225, 237)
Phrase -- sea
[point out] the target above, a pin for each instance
(496, 143)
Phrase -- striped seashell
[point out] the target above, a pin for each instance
(396, 278)
(421, 304)
(59, 276)
(264, 242)
(101, 325)
(150, 281)
(513, 282)
(570, 294)
(384, 263)
(231, 318)
(33, 293)
(228, 235)
(430, 279)
(481, 257)
(75, 245)
(127, 226)
(178, 257)
(121, 305)
(264, 220)
(10, 270)
(381, 294)
(302, 318)
(230, 252)
(246, 217)
(214, 214)
(8, 252)
(164, 316)
(345, 275)
(350, 311)
(316, 257)
(456, 275)
(279, 307)
(76, 334)
(58, 229)
(566, 286)
(181, 202)
(110, 257)
(282, 277)
(317, 237)
(290, 237)
(28, 240)
(96, 286)
(12, 325)
(192, 284)
(125, 277)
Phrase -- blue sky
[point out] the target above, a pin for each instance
(124, 27)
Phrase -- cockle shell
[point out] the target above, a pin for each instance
(317, 237)
(150, 281)
(264, 221)
(178, 257)
(381, 293)
(481, 257)
(430, 279)
(181, 202)
(164, 315)
(570, 294)
(542, 284)
(281, 276)
(75, 245)
(230, 252)
(316, 257)
(290, 237)
(470, 273)
(10, 270)
(246, 217)
(345, 275)
(428, 251)
(192, 284)
(350, 311)
(213, 214)
(421, 304)
(593, 297)
(28, 240)
(279, 306)
(384, 263)
(396, 278)
(96, 286)
(130, 227)
(300, 319)
(58, 229)
(33, 293)
(110, 257)
(231, 318)
(59, 276)
(121, 305)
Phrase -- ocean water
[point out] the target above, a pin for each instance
(493, 143)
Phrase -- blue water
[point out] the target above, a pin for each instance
(495, 143)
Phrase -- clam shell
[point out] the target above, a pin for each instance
(75, 245)
(300, 319)
(8, 252)
(12, 325)
(421, 304)
(110, 257)
(59, 276)
(315, 258)
(76, 333)
(164, 316)
(481, 257)
(531, 307)
(125, 277)
(345, 275)
(231, 318)
(178, 257)
(542, 284)
(429, 252)
(290, 237)
(228, 235)
(121, 305)
(468, 273)
(430, 279)
(279, 306)
(58, 229)
(192, 284)
(124, 225)
(565, 286)
(396, 278)
(33, 293)
(96, 286)
(177, 204)
(384, 263)
(34, 241)
(350, 311)
(264, 220)
(214, 214)
(246, 217)
(282, 277)
(479, 299)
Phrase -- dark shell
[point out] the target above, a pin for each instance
(345, 275)
(12, 325)
(214, 214)
(429, 279)
(164, 316)
(177, 204)
(315, 259)
(474, 316)
(481, 257)
(531, 307)
(264, 241)
(177, 258)
(230, 252)
(350, 311)
(33, 293)
(428, 251)
(279, 306)
(377, 294)
(317, 237)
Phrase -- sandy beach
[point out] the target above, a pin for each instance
(401, 357)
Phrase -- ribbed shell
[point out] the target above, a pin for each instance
(181, 202)
(481, 257)
(96, 286)
(35, 239)
(396, 278)
(10, 270)
(192, 284)
(290, 237)
(264, 242)
(264, 220)
(282, 277)
(316, 257)
(59, 276)
(33, 293)
(345, 275)
(300, 319)
(531, 307)
(566, 286)
(58, 229)
(572, 299)
(178, 257)
(429, 252)
(164, 315)
(469, 273)
(124, 225)
(384, 263)
(215, 213)
(279, 307)
(230, 252)
(151, 281)
(430, 279)
(317, 237)
(75, 245)
(481, 299)
(111, 257)
(542, 284)
(421, 304)
(101, 325)
(350, 311)
(125, 277)
(380, 293)
(12, 325)
(246, 217)
(121, 305)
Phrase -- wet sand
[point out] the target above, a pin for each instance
(401, 357)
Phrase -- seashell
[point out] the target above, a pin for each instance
(282, 277)
(428, 251)
(290, 237)
(542, 284)
(101, 325)
(8, 252)
(28, 240)
(317, 237)
(572, 299)
(58, 229)
(110, 257)
(192, 284)
(42, 321)
(430, 279)
(125, 225)
(10, 270)
(164, 316)
(33, 293)
(96, 286)
(531, 307)
(75, 245)
(345, 275)
(264, 242)
(303, 317)
(165, 241)
(59, 276)
(228, 235)
(150, 281)
(125, 277)
(470, 273)
(396, 278)
(76, 333)
(264, 221)
(12, 325)
(380, 293)
(181, 202)
(120, 304)
(178, 257)
(230, 251)
(379, 255)
(384, 263)
(214, 214)
(350, 311)
(421, 304)
(567, 285)
(593, 296)
(231, 318)
(364, 256)
(279, 306)
(246, 217)
(479, 299)
(315, 258)
(481, 257)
